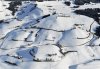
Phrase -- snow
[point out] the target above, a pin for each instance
(43, 53)
(29, 10)
(90, 6)
(36, 38)
(3, 11)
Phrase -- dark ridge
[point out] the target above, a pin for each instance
(93, 13)
(11, 63)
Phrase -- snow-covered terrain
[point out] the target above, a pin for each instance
(49, 35)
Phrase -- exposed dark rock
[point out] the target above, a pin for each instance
(93, 13)
(1, 21)
(13, 6)
(75, 6)
(67, 3)
(82, 2)
(97, 31)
